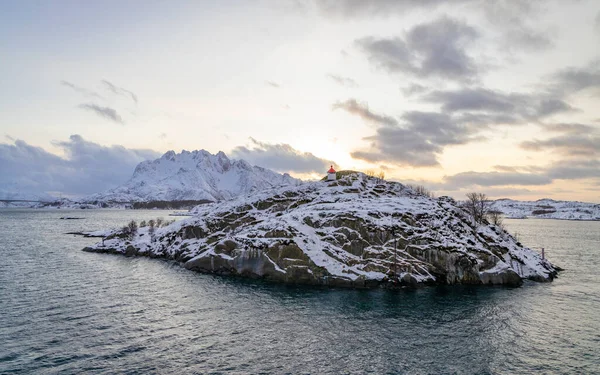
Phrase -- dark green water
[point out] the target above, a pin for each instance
(64, 311)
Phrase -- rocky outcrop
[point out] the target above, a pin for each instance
(355, 232)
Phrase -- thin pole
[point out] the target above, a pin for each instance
(543, 254)
(394, 234)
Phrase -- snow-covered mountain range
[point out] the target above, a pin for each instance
(196, 175)
(547, 209)
(355, 231)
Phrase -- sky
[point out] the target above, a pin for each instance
(494, 96)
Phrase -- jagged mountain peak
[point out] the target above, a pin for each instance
(194, 175)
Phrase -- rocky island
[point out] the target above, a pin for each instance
(355, 231)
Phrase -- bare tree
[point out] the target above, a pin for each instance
(159, 222)
(370, 172)
(478, 206)
(132, 228)
(381, 176)
(495, 217)
(422, 190)
(151, 229)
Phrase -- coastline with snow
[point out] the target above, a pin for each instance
(547, 209)
(356, 232)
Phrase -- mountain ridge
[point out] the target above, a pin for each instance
(193, 175)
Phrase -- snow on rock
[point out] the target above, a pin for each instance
(547, 209)
(340, 234)
(195, 175)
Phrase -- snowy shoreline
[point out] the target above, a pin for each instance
(339, 234)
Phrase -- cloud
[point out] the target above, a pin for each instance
(496, 179)
(574, 169)
(434, 49)
(570, 128)
(574, 140)
(83, 91)
(120, 91)
(577, 145)
(512, 18)
(597, 22)
(104, 112)
(343, 81)
(516, 107)
(413, 89)
(573, 80)
(417, 141)
(280, 157)
(362, 110)
(87, 168)
(367, 8)
(273, 84)
(581, 145)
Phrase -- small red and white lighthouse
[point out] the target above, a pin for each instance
(331, 174)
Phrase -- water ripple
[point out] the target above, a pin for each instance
(69, 312)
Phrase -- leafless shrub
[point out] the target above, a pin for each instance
(478, 206)
(151, 229)
(422, 190)
(130, 229)
(495, 217)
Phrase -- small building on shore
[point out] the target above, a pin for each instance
(331, 174)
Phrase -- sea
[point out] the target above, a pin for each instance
(65, 311)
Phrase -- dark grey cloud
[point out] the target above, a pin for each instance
(573, 140)
(362, 110)
(574, 169)
(417, 141)
(87, 168)
(280, 157)
(81, 90)
(434, 49)
(343, 81)
(573, 80)
(570, 144)
(273, 84)
(120, 91)
(577, 145)
(515, 107)
(104, 112)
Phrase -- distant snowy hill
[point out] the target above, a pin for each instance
(13, 195)
(548, 209)
(195, 175)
